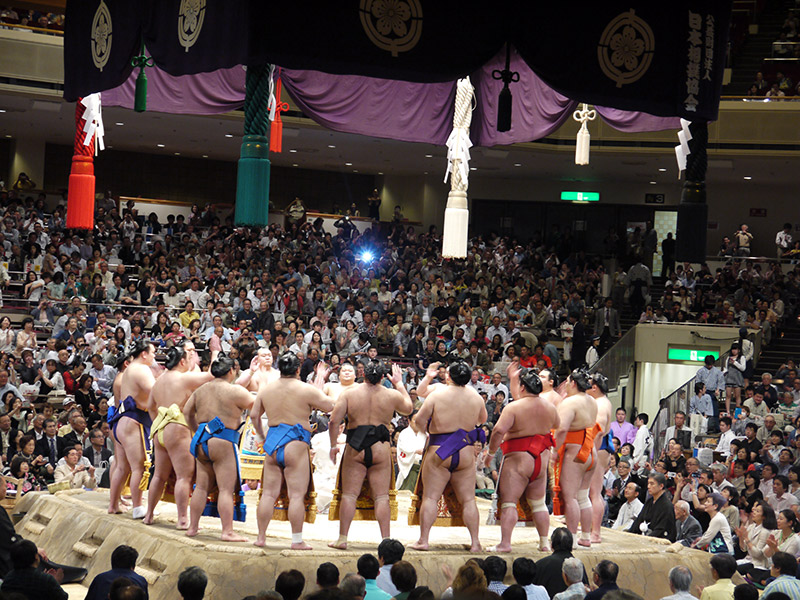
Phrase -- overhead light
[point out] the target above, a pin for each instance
(160, 145)
(228, 135)
(662, 170)
(652, 183)
(109, 147)
(348, 164)
(331, 146)
(355, 170)
(205, 155)
(292, 151)
(429, 156)
(120, 124)
(517, 164)
(8, 135)
(380, 172)
(2, 110)
(747, 177)
(295, 165)
(177, 154)
(473, 168)
(425, 173)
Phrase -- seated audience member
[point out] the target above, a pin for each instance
(404, 577)
(26, 579)
(745, 591)
(687, 527)
(390, 551)
(657, 512)
(717, 538)
(353, 587)
(723, 566)
(604, 576)
(327, 576)
(192, 583)
(368, 567)
(680, 580)
(495, 569)
(784, 570)
(573, 573)
(548, 569)
(123, 562)
(753, 540)
(630, 510)
(524, 571)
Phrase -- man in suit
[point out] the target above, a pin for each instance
(578, 351)
(688, 527)
(658, 512)
(96, 451)
(123, 561)
(78, 435)
(50, 446)
(604, 576)
(617, 498)
(548, 569)
(606, 324)
(7, 434)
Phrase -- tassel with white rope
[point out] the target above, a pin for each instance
(582, 116)
(456, 215)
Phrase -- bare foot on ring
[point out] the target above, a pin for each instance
(419, 546)
(232, 537)
(342, 546)
(301, 546)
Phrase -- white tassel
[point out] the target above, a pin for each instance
(456, 225)
(456, 215)
(583, 116)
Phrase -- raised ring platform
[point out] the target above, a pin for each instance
(75, 529)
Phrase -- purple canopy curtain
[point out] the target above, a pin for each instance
(411, 112)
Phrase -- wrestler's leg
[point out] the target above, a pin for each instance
(517, 468)
(584, 503)
(535, 495)
(353, 473)
(297, 474)
(271, 481)
(205, 481)
(118, 475)
(163, 468)
(463, 482)
(130, 437)
(435, 477)
(596, 495)
(379, 476)
(225, 466)
(570, 481)
(178, 440)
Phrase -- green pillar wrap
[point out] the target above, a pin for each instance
(252, 182)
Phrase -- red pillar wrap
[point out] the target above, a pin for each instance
(276, 130)
(80, 197)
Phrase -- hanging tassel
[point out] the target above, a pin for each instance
(583, 116)
(140, 95)
(276, 129)
(456, 215)
(507, 76)
(252, 181)
(80, 194)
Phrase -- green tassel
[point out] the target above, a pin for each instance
(252, 182)
(140, 98)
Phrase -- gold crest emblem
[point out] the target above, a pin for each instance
(101, 36)
(392, 25)
(625, 51)
(190, 21)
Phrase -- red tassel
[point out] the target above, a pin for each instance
(80, 196)
(276, 130)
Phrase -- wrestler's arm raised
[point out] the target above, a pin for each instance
(430, 373)
(402, 401)
(242, 398)
(321, 372)
(425, 412)
(246, 376)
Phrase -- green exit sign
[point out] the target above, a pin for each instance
(581, 196)
(690, 354)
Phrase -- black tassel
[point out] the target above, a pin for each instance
(507, 76)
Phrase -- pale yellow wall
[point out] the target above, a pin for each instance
(28, 157)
